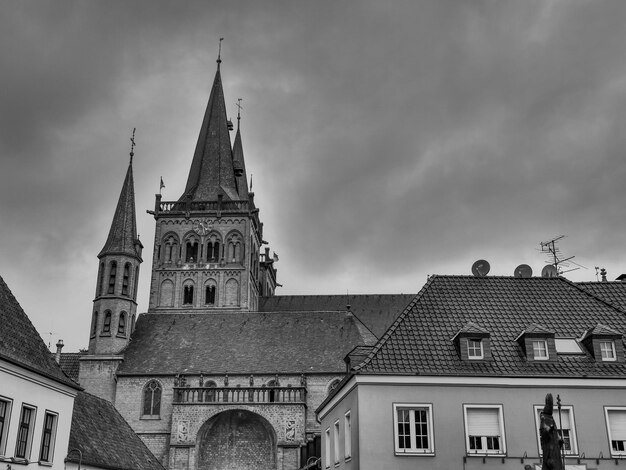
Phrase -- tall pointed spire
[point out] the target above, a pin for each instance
(238, 160)
(122, 237)
(212, 173)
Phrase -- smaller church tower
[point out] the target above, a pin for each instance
(115, 304)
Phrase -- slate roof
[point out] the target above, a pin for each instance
(377, 312)
(419, 341)
(122, 236)
(243, 343)
(105, 438)
(70, 364)
(612, 292)
(21, 344)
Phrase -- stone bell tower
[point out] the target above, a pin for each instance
(207, 244)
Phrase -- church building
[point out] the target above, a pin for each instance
(219, 373)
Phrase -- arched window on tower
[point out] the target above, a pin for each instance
(191, 251)
(234, 248)
(112, 274)
(213, 248)
(188, 294)
(152, 399)
(171, 248)
(126, 279)
(121, 325)
(272, 392)
(106, 326)
(94, 324)
(210, 294)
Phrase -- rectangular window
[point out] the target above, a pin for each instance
(484, 429)
(5, 414)
(413, 429)
(327, 446)
(25, 432)
(566, 427)
(474, 349)
(48, 437)
(607, 350)
(336, 441)
(616, 425)
(347, 439)
(540, 350)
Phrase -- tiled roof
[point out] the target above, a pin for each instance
(21, 344)
(377, 312)
(612, 292)
(600, 330)
(70, 364)
(419, 340)
(105, 439)
(297, 342)
(471, 327)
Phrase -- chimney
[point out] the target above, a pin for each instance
(57, 356)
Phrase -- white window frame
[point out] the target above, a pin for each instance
(480, 343)
(347, 438)
(336, 441)
(545, 346)
(607, 409)
(327, 450)
(612, 350)
(4, 431)
(53, 436)
(572, 438)
(414, 450)
(502, 442)
(30, 431)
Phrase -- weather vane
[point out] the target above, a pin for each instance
(238, 104)
(132, 145)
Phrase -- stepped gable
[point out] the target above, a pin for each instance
(377, 312)
(21, 344)
(105, 439)
(419, 341)
(243, 343)
(612, 292)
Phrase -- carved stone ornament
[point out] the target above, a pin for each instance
(182, 431)
(290, 430)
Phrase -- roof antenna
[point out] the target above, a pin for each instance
(219, 54)
(132, 146)
(238, 111)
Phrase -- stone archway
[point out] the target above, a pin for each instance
(236, 440)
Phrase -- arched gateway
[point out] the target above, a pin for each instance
(236, 440)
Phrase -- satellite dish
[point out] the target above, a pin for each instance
(523, 270)
(549, 271)
(480, 268)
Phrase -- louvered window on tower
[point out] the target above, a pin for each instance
(106, 327)
(112, 274)
(191, 251)
(213, 251)
(94, 324)
(121, 326)
(210, 295)
(126, 279)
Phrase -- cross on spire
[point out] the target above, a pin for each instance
(238, 104)
(219, 53)
(132, 145)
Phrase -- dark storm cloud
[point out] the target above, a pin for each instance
(386, 140)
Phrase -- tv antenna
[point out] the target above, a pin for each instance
(556, 257)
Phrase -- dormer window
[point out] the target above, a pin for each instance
(473, 343)
(540, 350)
(607, 350)
(474, 348)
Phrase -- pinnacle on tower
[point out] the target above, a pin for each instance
(122, 237)
(239, 162)
(212, 173)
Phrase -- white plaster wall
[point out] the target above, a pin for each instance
(24, 387)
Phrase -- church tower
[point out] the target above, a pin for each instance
(115, 303)
(207, 243)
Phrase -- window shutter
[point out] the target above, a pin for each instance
(483, 422)
(617, 425)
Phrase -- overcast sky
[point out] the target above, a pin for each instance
(387, 140)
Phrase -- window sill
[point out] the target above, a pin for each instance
(485, 454)
(106, 335)
(19, 461)
(150, 417)
(348, 459)
(415, 454)
(45, 464)
(120, 336)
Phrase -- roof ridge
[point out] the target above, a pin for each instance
(591, 294)
(399, 319)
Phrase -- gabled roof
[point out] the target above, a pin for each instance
(377, 312)
(600, 330)
(212, 173)
(419, 340)
(612, 292)
(20, 343)
(105, 439)
(471, 328)
(243, 343)
(122, 237)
